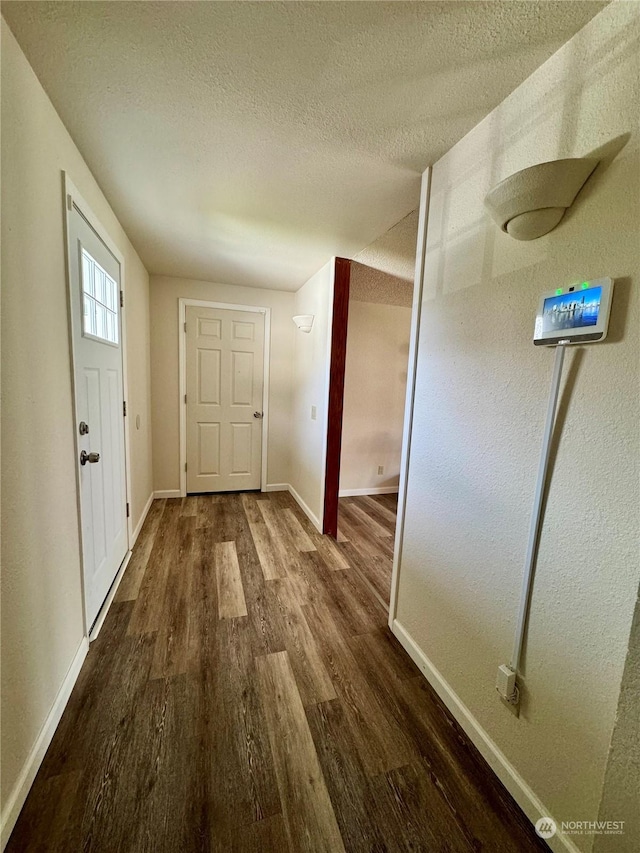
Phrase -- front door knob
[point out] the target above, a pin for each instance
(88, 457)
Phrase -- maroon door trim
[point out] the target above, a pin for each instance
(342, 275)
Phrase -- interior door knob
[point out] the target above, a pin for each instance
(258, 415)
(88, 457)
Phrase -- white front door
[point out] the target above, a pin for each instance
(97, 355)
(224, 361)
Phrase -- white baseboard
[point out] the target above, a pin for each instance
(168, 493)
(313, 518)
(371, 490)
(138, 528)
(18, 796)
(276, 487)
(495, 758)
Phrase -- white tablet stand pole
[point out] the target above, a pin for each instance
(506, 684)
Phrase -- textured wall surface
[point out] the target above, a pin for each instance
(310, 387)
(290, 132)
(374, 394)
(481, 398)
(621, 794)
(42, 624)
(164, 295)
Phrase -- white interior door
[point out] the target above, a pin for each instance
(97, 355)
(224, 366)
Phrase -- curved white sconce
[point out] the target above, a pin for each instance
(304, 322)
(532, 202)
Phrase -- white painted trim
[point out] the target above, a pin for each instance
(266, 396)
(92, 219)
(313, 518)
(182, 380)
(276, 487)
(102, 614)
(142, 520)
(492, 754)
(371, 490)
(167, 493)
(319, 523)
(23, 784)
(412, 366)
(72, 196)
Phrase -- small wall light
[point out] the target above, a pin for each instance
(304, 322)
(532, 202)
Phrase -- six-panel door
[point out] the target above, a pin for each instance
(224, 366)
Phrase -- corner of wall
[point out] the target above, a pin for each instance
(621, 788)
(310, 390)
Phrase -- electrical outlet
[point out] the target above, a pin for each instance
(314, 413)
(380, 470)
(507, 687)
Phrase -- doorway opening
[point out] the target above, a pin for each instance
(371, 333)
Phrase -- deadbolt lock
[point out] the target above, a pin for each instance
(83, 429)
(89, 457)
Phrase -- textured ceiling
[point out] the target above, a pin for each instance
(248, 142)
(394, 253)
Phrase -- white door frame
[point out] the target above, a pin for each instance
(416, 309)
(183, 304)
(73, 197)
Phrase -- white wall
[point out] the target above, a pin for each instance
(621, 792)
(164, 294)
(480, 402)
(374, 394)
(310, 387)
(42, 625)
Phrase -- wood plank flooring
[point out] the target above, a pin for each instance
(245, 696)
(366, 529)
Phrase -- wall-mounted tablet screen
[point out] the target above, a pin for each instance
(578, 313)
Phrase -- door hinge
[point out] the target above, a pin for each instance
(124, 408)
(128, 510)
(185, 398)
(185, 466)
(122, 299)
(185, 327)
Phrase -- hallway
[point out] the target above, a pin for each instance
(245, 694)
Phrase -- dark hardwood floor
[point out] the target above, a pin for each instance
(366, 530)
(245, 695)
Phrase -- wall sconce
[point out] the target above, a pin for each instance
(532, 202)
(304, 322)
